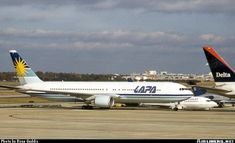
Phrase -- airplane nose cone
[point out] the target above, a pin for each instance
(215, 104)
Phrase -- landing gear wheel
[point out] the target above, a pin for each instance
(221, 105)
(87, 107)
(175, 109)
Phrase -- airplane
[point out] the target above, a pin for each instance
(221, 100)
(193, 103)
(223, 74)
(96, 94)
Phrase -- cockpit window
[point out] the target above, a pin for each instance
(184, 89)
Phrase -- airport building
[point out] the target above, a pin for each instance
(166, 76)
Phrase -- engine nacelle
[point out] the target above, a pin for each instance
(104, 101)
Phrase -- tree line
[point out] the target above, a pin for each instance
(53, 76)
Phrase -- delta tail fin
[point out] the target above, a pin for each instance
(24, 73)
(220, 69)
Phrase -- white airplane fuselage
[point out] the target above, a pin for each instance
(192, 103)
(198, 103)
(127, 92)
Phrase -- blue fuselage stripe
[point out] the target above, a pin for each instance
(164, 95)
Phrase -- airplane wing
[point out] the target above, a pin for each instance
(10, 87)
(86, 96)
(213, 90)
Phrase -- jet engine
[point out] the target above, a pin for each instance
(104, 101)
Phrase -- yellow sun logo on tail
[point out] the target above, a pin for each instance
(21, 66)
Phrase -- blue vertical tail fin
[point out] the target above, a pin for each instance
(24, 73)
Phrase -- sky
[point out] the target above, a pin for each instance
(116, 36)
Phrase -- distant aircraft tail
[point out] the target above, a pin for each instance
(220, 69)
(197, 91)
(24, 73)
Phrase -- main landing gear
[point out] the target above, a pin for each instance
(176, 107)
(87, 107)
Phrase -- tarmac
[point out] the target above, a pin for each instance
(71, 122)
